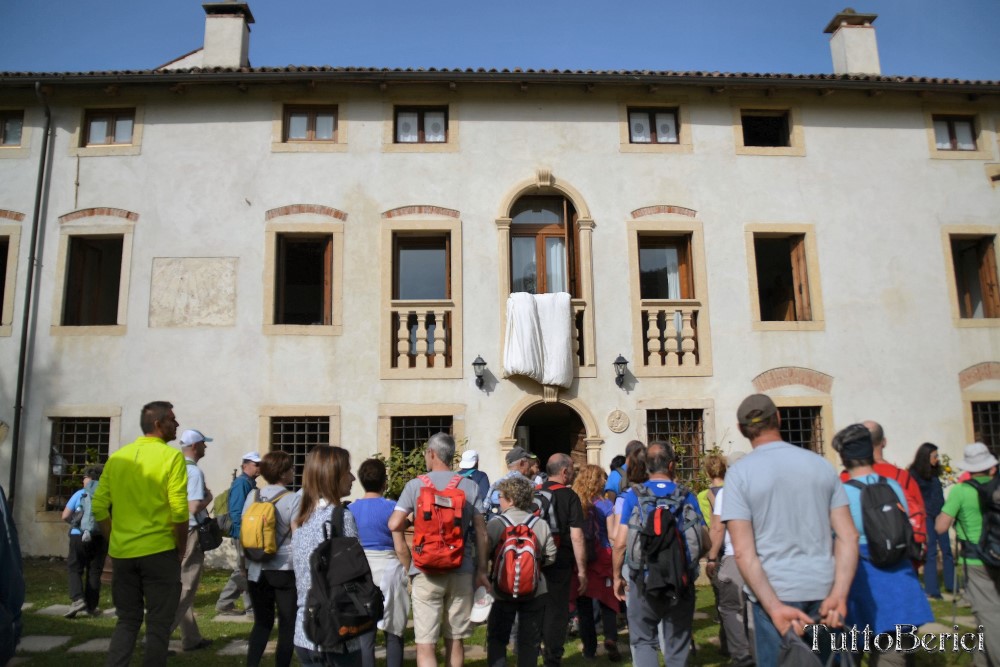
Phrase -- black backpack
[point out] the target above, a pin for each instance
(668, 579)
(988, 548)
(887, 527)
(343, 602)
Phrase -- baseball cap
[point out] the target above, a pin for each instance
(482, 602)
(755, 403)
(253, 457)
(470, 458)
(192, 436)
(516, 454)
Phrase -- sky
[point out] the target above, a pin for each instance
(957, 39)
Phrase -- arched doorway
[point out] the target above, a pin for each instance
(548, 428)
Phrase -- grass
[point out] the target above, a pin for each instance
(46, 585)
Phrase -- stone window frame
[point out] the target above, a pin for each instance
(13, 235)
(679, 105)
(23, 149)
(545, 183)
(265, 412)
(970, 396)
(796, 131)
(386, 411)
(279, 145)
(782, 229)
(949, 266)
(106, 411)
(706, 405)
(670, 224)
(93, 222)
(436, 221)
(133, 148)
(985, 137)
(389, 126)
(294, 221)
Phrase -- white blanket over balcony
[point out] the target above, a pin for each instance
(539, 338)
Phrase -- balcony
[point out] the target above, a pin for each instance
(422, 334)
(670, 337)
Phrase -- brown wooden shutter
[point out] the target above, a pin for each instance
(800, 278)
(988, 277)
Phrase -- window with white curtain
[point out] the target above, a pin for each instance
(543, 245)
(652, 126)
(421, 125)
(955, 133)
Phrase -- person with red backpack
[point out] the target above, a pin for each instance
(444, 571)
(521, 544)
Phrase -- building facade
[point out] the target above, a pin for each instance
(317, 255)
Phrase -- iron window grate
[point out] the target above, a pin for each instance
(409, 433)
(296, 436)
(77, 442)
(986, 424)
(803, 427)
(684, 430)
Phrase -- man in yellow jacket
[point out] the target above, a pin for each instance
(142, 506)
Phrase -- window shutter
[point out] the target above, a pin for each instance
(800, 278)
(328, 281)
(988, 277)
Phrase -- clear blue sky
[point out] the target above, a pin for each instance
(959, 39)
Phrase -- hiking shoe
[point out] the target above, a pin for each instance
(231, 610)
(611, 648)
(75, 608)
(203, 643)
(95, 612)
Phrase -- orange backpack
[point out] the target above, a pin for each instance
(438, 534)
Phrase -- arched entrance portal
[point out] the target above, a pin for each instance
(547, 428)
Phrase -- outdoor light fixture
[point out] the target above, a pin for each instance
(621, 363)
(479, 367)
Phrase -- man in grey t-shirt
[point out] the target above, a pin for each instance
(442, 602)
(795, 542)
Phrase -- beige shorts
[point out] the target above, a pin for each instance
(442, 604)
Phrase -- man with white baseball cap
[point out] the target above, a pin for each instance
(963, 509)
(238, 492)
(199, 498)
(468, 467)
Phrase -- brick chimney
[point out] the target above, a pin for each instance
(227, 34)
(853, 44)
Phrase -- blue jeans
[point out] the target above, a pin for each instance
(934, 542)
(767, 640)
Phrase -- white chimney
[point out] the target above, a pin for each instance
(227, 34)
(853, 44)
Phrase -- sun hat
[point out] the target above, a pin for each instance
(977, 458)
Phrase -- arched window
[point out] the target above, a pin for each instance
(543, 245)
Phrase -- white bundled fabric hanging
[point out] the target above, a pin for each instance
(555, 320)
(523, 341)
(539, 338)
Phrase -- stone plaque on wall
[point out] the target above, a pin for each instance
(193, 292)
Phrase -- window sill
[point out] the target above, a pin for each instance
(811, 325)
(303, 329)
(977, 322)
(700, 370)
(629, 147)
(13, 152)
(104, 151)
(308, 147)
(787, 151)
(453, 373)
(981, 154)
(105, 330)
(446, 147)
(5, 330)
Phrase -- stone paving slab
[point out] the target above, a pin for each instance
(19, 660)
(41, 643)
(700, 616)
(55, 610)
(27, 605)
(240, 647)
(969, 621)
(934, 628)
(225, 618)
(100, 645)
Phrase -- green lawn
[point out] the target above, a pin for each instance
(46, 582)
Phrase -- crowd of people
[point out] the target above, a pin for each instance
(788, 545)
